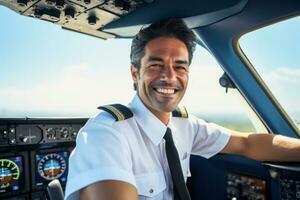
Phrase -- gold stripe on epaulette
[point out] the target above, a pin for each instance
(183, 111)
(119, 115)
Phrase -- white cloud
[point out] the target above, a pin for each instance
(80, 88)
(284, 83)
(285, 76)
(71, 93)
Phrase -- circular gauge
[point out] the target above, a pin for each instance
(9, 173)
(52, 166)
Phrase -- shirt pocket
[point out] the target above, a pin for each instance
(151, 186)
(185, 165)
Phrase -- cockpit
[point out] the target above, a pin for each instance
(244, 76)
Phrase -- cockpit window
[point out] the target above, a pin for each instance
(274, 53)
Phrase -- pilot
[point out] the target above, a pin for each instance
(142, 151)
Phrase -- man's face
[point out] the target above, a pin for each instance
(163, 76)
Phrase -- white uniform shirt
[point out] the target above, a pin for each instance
(133, 151)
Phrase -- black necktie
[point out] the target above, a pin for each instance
(180, 189)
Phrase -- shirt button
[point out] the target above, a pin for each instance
(151, 191)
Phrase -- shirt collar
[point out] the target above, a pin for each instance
(152, 126)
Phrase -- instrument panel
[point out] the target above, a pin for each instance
(33, 152)
(282, 184)
(31, 134)
(287, 176)
(240, 187)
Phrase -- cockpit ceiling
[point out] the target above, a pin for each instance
(86, 16)
(122, 18)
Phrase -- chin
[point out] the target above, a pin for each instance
(167, 108)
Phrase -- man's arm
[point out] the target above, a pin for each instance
(109, 190)
(263, 147)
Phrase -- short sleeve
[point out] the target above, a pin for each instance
(101, 153)
(209, 138)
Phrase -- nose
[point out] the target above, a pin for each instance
(169, 73)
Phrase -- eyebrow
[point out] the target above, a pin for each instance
(155, 58)
(182, 62)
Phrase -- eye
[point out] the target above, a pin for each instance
(181, 68)
(155, 65)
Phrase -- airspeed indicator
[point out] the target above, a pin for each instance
(9, 173)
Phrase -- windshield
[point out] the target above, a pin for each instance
(274, 53)
(50, 72)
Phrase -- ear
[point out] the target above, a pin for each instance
(134, 73)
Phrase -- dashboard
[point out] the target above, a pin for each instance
(35, 151)
(32, 153)
(285, 177)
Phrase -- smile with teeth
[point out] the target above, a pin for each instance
(165, 90)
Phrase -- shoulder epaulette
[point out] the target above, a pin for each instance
(180, 111)
(118, 111)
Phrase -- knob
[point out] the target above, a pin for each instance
(38, 13)
(69, 13)
(51, 136)
(60, 4)
(50, 133)
(74, 134)
(87, 2)
(22, 3)
(51, 2)
(64, 133)
(13, 141)
(122, 5)
(4, 134)
(92, 20)
(24, 139)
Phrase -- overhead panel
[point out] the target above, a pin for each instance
(85, 16)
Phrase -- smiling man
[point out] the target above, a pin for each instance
(143, 151)
(162, 79)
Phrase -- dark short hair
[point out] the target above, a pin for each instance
(166, 28)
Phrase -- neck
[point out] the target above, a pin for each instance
(164, 117)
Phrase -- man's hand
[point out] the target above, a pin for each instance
(109, 190)
(263, 147)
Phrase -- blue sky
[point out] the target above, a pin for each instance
(285, 45)
(46, 70)
(46, 42)
(274, 51)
